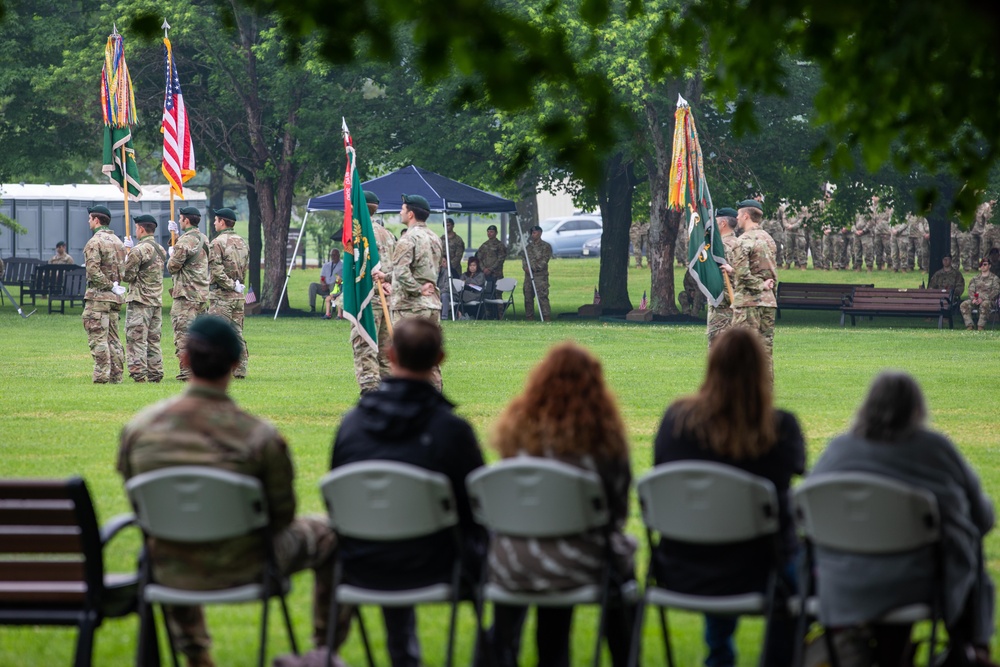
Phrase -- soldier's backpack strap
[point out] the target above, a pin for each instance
(159, 251)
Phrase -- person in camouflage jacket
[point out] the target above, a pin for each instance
(228, 260)
(983, 292)
(143, 323)
(370, 368)
(103, 256)
(188, 265)
(720, 317)
(538, 253)
(492, 254)
(456, 248)
(754, 277)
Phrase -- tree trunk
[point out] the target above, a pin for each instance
(255, 241)
(527, 213)
(615, 199)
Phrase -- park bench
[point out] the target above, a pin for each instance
(52, 570)
(891, 302)
(18, 272)
(46, 280)
(74, 286)
(813, 296)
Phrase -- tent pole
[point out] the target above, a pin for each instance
(531, 274)
(291, 263)
(447, 260)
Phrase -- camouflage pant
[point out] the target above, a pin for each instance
(970, 251)
(798, 250)
(691, 302)
(433, 316)
(761, 320)
(639, 241)
(863, 249)
(905, 253)
(918, 252)
(828, 253)
(371, 366)
(100, 321)
(985, 308)
(991, 239)
(232, 310)
(956, 251)
(182, 313)
(779, 244)
(143, 326)
(542, 283)
(883, 254)
(307, 543)
(719, 319)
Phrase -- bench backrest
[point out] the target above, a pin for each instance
(74, 284)
(814, 293)
(50, 278)
(19, 270)
(901, 299)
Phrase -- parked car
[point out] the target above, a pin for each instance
(567, 234)
(592, 248)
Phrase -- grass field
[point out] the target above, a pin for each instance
(55, 423)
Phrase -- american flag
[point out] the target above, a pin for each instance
(178, 154)
(645, 302)
(251, 297)
(597, 297)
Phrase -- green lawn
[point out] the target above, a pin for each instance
(54, 422)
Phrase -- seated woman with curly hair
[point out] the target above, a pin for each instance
(567, 413)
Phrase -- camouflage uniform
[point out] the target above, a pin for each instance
(143, 323)
(204, 427)
(415, 262)
(990, 239)
(721, 317)
(691, 299)
(103, 256)
(973, 253)
(456, 248)
(492, 254)
(917, 228)
(638, 234)
(370, 367)
(956, 245)
(65, 258)
(864, 245)
(829, 251)
(189, 267)
(798, 241)
(883, 241)
(988, 288)
(776, 230)
(539, 253)
(949, 279)
(899, 244)
(754, 306)
(228, 259)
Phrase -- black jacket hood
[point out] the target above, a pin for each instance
(399, 408)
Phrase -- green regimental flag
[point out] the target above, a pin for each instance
(360, 253)
(114, 139)
(706, 253)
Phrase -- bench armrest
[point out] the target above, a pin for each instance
(115, 526)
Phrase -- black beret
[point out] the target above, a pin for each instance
(371, 197)
(226, 214)
(726, 213)
(103, 210)
(416, 201)
(536, 228)
(217, 332)
(750, 203)
(145, 219)
(491, 227)
(190, 211)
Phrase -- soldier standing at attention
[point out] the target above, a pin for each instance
(143, 322)
(61, 256)
(776, 229)
(416, 260)
(103, 256)
(864, 241)
(492, 254)
(721, 317)
(638, 234)
(188, 265)
(538, 253)
(798, 239)
(456, 248)
(370, 368)
(983, 292)
(228, 259)
(949, 278)
(754, 277)
(974, 250)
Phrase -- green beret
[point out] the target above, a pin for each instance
(226, 214)
(726, 213)
(218, 333)
(103, 210)
(190, 211)
(750, 203)
(491, 227)
(416, 201)
(371, 197)
(145, 219)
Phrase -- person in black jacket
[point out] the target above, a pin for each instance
(409, 421)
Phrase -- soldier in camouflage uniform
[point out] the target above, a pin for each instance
(956, 245)
(691, 298)
(416, 261)
(990, 238)
(143, 323)
(864, 241)
(638, 234)
(798, 241)
(975, 250)
(754, 277)
(103, 256)
(949, 278)
(721, 317)
(918, 230)
(456, 249)
(538, 253)
(776, 230)
(983, 292)
(228, 260)
(371, 367)
(61, 256)
(492, 254)
(188, 265)
(882, 234)
(204, 427)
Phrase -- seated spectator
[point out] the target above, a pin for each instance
(949, 278)
(331, 273)
(567, 413)
(406, 419)
(61, 256)
(732, 420)
(475, 284)
(889, 437)
(333, 304)
(204, 427)
(983, 292)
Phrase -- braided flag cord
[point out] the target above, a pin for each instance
(118, 109)
(178, 153)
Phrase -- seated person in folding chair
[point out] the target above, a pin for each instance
(407, 420)
(889, 437)
(567, 413)
(475, 286)
(731, 420)
(330, 274)
(204, 427)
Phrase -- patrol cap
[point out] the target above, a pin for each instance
(536, 228)
(144, 219)
(218, 333)
(226, 214)
(726, 213)
(61, 243)
(371, 197)
(491, 228)
(750, 203)
(416, 201)
(103, 210)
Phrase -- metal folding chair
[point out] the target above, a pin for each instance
(500, 302)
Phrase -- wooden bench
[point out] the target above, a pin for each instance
(872, 301)
(73, 289)
(52, 569)
(18, 272)
(46, 280)
(813, 296)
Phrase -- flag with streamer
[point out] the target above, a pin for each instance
(689, 193)
(178, 153)
(118, 108)
(360, 251)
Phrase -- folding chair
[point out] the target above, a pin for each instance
(534, 497)
(501, 303)
(390, 501)
(707, 503)
(866, 514)
(199, 504)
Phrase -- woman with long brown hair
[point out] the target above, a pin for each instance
(567, 413)
(731, 420)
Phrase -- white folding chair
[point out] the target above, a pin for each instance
(867, 514)
(198, 504)
(700, 502)
(388, 501)
(498, 301)
(534, 497)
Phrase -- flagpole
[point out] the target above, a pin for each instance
(125, 189)
(385, 308)
(447, 257)
(173, 235)
(173, 218)
(288, 276)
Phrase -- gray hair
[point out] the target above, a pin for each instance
(893, 409)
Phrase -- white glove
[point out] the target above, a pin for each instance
(128, 242)
(170, 251)
(173, 227)
(117, 289)
(238, 286)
